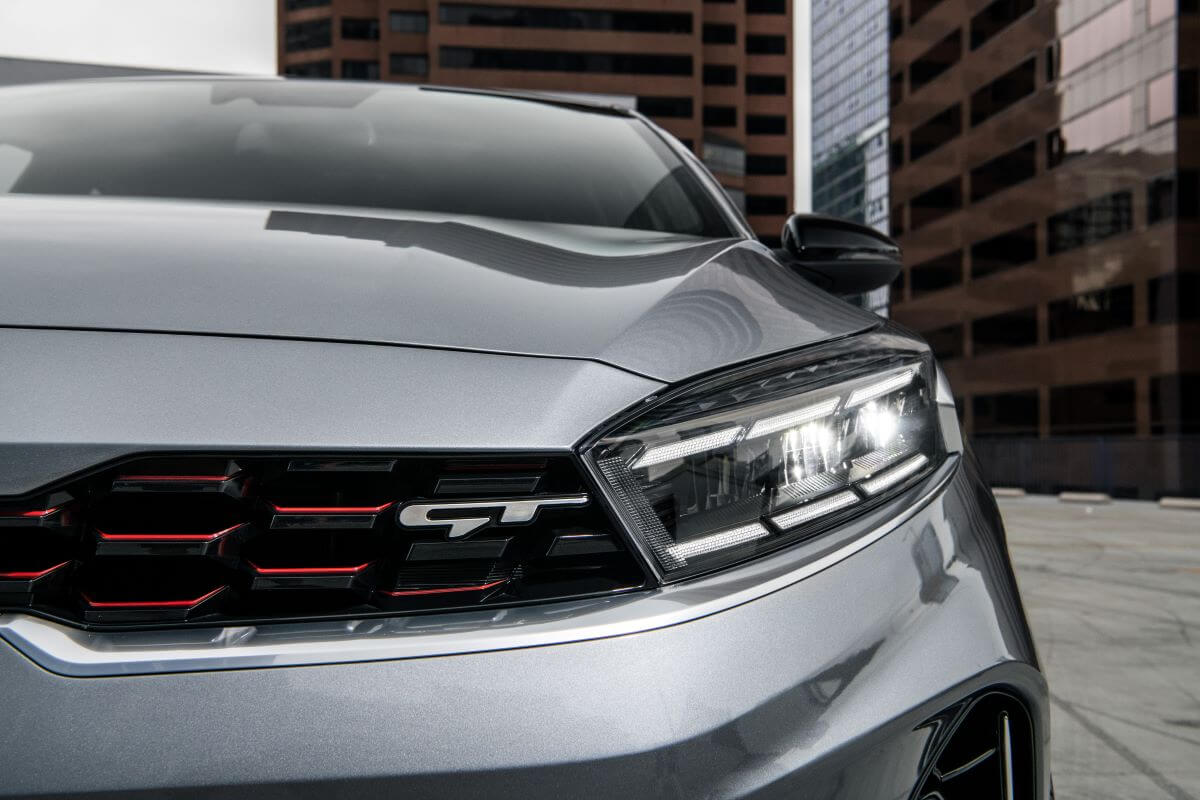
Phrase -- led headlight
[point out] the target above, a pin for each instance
(735, 468)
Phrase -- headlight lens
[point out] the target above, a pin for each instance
(717, 476)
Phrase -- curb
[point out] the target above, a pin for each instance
(1190, 503)
(1007, 491)
(1094, 498)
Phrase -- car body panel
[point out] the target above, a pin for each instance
(663, 306)
(816, 690)
(90, 397)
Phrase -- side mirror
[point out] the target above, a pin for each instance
(838, 255)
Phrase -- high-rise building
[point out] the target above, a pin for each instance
(850, 110)
(715, 73)
(1044, 188)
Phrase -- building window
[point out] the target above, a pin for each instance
(720, 116)
(408, 22)
(356, 28)
(409, 64)
(947, 343)
(995, 17)
(896, 220)
(935, 203)
(725, 156)
(496, 58)
(766, 84)
(897, 154)
(680, 107)
(1093, 221)
(1056, 149)
(1187, 91)
(564, 18)
(896, 89)
(1091, 313)
(310, 69)
(1160, 199)
(720, 75)
(1093, 409)
(1001, 93)
(360, 70)
(935, 132)
(1006, 414)
(895, 22)
(1103, 33)
(296, 5)
(312, 35)
(936, 273)
(763, 44)
(1004, 171)
(1174, 298)
(1175, 403)
(934, 61)
(919, 8)
(766, 204)
(1004, 331)
(766, 6)
(766, 165)
(1160, 98)
(1091, 131)
(1006, 251)
(714, 33)
(766, 124)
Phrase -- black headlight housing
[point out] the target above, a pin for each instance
(759, 458)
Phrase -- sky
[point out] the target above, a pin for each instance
(236, 36)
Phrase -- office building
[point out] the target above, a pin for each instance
(1044, 187)
(715, 74)
(850, 110)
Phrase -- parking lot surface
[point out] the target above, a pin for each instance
(1113, 594)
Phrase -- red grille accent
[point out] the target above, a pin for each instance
(32, 575)
(329, 510)
(131, 604)
(298, 537)
(30, 514)
(443, 590)
(166, 537)
(290, 571)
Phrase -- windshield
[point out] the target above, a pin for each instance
(314, 143)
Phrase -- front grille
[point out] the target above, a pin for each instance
(245, 539)
(983, 747)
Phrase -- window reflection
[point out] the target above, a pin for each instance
(1090, 313)
(1092, 131)
(1090, 222)
(1099, 35)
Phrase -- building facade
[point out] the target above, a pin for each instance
(850, 110)
(1044, 188)
(717, 75)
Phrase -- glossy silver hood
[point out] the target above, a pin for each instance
(662, 306)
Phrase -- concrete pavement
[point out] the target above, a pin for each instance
(1113, 594)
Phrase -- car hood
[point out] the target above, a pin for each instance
(662, 306)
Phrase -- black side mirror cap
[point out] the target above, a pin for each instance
(838, 255)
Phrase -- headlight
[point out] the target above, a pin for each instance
(741, 466)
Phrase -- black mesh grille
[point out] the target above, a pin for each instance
(215, 540)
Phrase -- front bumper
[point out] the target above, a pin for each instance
(816, 689)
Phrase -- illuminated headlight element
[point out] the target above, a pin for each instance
(733, 469)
